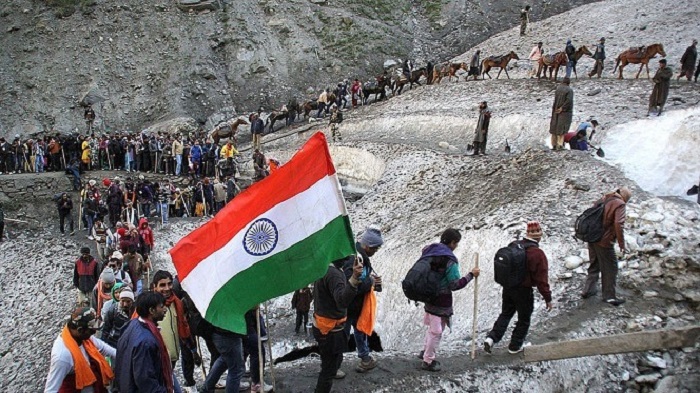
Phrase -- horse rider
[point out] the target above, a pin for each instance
(407, 68)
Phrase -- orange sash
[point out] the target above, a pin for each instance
(368, 315)
(84, 376)
(325, 325)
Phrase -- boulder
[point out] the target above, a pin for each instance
(197, 5)
(182, 125)
(647, 378)
(572, 262)
(92, 96)
(390, 63)
(653, 217)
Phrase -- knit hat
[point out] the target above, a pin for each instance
(107, 276)
(126, 293)
(534, 230)
(85, 317)
(92, 182)
(85, 250)
(121, 231)
(372, 237)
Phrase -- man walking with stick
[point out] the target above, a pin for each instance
(522, 258)
(439, 311)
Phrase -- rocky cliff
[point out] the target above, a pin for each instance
(143, 62)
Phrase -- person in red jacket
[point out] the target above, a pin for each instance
(147, 235)
(521, 299)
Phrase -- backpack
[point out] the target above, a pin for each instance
(510, 264)
(422, 282)
(589, 225)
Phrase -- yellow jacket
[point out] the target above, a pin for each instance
(228, 152)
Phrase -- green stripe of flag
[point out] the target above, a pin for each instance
(280, 274)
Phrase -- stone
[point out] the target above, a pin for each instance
(656, 362)
(650, 294)
(653, 217)
(92, 96)
(693, 295)
(572, 262)
(390, 63)
(667, 384)
(647, 378)
(444, 145)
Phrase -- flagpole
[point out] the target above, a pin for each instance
(260, 355)
(476, 297)
(269, 347)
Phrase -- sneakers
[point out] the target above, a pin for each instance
(72, 233)
(244, 386)
(339, 375)
(92, 238)
(513, 349)
(257, 388)
(366, 365)
(488, 344)
(615, 301)
(434, 366)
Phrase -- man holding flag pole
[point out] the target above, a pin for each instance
(265, 243)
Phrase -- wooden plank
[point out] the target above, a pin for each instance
(619, 343)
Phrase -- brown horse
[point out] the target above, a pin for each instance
(448, 70)
(497, 62)
(227, 129)
(638, 55)
(312, 105)
(399, 82)
(553, 62)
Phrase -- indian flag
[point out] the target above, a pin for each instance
(275, 237)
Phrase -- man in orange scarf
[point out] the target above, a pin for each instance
(78, 358)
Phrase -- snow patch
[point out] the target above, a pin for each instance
(659, 153)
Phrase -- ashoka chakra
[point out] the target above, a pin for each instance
(261, 237)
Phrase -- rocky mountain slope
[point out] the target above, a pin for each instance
(408, 157)
(156, 60)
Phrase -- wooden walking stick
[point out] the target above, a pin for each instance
(269, 347)
(199, 352)
(260, 354)
(476, 297)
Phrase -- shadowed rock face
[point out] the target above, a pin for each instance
(144, 62)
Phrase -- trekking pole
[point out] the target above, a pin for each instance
(476, 297)
(260, 355)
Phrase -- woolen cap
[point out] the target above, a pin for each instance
(85, 317)
(534, 230)
(372, 237)
(107, 276)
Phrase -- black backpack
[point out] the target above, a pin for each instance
(589, 225)
(422, 282)
(510, 264)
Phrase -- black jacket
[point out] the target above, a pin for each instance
(333, 293)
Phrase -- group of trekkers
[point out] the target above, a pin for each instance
(340, 297)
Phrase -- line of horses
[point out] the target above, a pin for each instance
(435, 74)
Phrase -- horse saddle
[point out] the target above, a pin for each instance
(370, 85)
(548, 59)
(495, 59)
(636, 51)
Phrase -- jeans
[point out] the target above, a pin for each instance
(39, 164)
(569, 68)
(522, 301)
(321, 108)
(330, 348)
(178, 167)
(230, 348)
(164, 211)
(146, 209)
(90, 218)
(360, 338)
(127, 162)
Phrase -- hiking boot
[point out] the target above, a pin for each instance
(340, 374)
(615, 301)
(72, 233)
(515, 349)
(488, 344)
(586, 295)
(420, 355)
(190, 382)
(366, 365)
(244, 386)
(434, 366)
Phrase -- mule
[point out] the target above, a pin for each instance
(448, 70)
(497, 62)
(553, 62)
(637, 56)
(227, 129)
(377, 88)
(400, 81)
